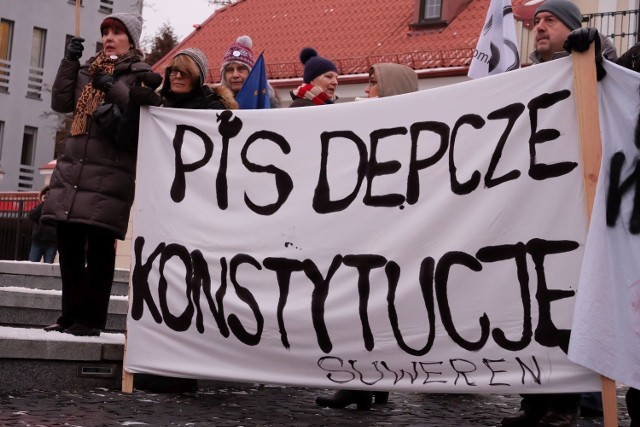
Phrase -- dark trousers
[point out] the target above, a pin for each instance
(87, 262)
(541, 403)
(633, 406)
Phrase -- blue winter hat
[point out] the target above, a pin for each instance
(314, 65)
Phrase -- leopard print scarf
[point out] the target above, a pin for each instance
(90, 97)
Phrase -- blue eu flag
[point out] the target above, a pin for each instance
(254, 94)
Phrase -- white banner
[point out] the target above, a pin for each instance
(606, 332)
(425, 242)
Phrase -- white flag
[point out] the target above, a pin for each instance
(497, 48)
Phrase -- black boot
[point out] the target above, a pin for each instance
(343, 398)
(532, 409)
(381, 397)
(162, 384)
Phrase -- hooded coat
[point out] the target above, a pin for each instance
(93, 182)
(395, 79)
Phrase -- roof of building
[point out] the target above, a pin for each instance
(354, 34)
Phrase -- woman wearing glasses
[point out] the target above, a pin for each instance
(183, 86)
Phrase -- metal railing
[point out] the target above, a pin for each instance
(15, 227)
(26, 178)
(35, 83)
(621, 27)
(5, 75)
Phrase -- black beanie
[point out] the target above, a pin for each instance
(565, 10)
(314, 65)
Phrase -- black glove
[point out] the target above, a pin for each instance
(580, 39)
(103, 81)
(74, 49)
(141, 95)
(149, 79)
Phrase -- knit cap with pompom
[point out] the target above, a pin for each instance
(314, 65)
(239, 51)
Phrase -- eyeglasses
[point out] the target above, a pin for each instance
(174, 72)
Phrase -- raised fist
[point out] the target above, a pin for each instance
(74, 49)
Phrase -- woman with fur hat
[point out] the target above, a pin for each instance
(92, 186)
(320, 81)
(183, 85)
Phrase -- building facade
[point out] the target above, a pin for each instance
(33, 38)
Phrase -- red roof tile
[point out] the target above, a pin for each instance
(352, 33)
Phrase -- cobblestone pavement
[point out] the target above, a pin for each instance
(255, 405)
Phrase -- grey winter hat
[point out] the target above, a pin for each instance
(199, 58)
(133, 24)
(565, 10)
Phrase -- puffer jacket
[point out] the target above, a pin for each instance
(93, 182)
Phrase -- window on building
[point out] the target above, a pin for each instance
(432, 14)
(36, 72)
(106, 6)
(27, 157)
(6, 39)
(430, 10)
(37, 47)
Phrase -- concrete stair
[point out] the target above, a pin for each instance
(34, 359)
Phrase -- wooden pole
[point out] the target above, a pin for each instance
(78, 5)
(127, 377)
(586, 93)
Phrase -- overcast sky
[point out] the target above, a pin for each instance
(181, 15)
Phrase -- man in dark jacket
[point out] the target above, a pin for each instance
(553, 22)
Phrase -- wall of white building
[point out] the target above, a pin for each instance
(18, 107)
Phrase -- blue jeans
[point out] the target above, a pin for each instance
(41, 250)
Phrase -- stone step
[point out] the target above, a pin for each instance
(36, 308)
(33, 358)
(36, 275)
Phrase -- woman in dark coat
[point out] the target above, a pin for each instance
(320, 82)
(183, 87)
(92, 186)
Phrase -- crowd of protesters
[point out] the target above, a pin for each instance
(86, 207)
